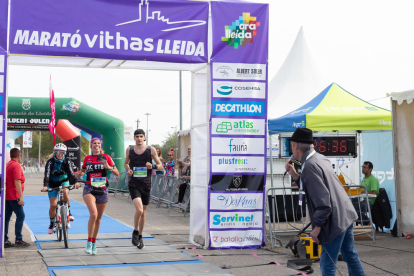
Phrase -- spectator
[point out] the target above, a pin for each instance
(160, 172)
(169, 166)
(14, 198)
(186, 161)
(186, 173)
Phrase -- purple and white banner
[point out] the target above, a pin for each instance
(238, 125)
(152, 30)
(4, 4)
(3, 67)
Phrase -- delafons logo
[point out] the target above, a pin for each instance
(224, 89)
(71, 107)
(241, 31)
(237, 148)
(234, 220)
(241, 126)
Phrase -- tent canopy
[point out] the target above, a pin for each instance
(334, 109)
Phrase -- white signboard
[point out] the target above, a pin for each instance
(236, 201)
(227, 126)
(27, 139)
(239, 71)
(234, 238)
(239, 164)
(239, 220)
(234, 89)
(237, 145)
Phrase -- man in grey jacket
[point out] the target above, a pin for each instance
(330, 209)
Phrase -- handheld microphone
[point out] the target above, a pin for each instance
(292, 161)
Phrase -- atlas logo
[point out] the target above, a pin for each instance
(224, 89)
(241, 126)
(237, 148)
(241, 31)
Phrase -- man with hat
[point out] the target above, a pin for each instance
(330, 209)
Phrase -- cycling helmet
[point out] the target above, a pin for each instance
(60, 146)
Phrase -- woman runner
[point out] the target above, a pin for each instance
(95, 193)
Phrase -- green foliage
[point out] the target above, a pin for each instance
(170, 142)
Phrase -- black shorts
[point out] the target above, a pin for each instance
(144, 194)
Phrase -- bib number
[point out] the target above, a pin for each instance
(98, 182)
(140, 171)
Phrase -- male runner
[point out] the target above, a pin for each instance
(138, 163)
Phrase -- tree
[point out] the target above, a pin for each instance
(170, 142)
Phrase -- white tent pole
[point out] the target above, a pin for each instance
(396, 165)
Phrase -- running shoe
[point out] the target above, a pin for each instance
(8, 244)
(141, 244)
(50, 230)
(71, 217)
(21, 243)
(94, 250)
(135, 238)
(88, 249)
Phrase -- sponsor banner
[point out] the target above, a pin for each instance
(121, 30)
(236, 201)
(236, 238)
(237, 183)
(230, 126)
(240, 32)
(27, 124)
(74, 151)
(3, 28)
(239, 164)
(237, 145)
(233, 89)
(4, 155)
(27, 140)
(239, 220)
(238, 71)
(239, 108)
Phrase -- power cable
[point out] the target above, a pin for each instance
(379, 268)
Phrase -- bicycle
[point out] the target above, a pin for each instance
(62, 222)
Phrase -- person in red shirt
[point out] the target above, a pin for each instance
(95, 192)
(14, 198)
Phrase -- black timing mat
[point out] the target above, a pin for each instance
(85, 236)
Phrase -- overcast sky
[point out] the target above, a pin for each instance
(367, 47)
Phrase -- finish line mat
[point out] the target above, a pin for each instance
(184, 269)
(86, 260)
(108, 251)
(126, 235)
(99, 243)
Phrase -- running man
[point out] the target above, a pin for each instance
(139, 167)
(58, 172)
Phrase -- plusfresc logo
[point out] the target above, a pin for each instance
(241, 31)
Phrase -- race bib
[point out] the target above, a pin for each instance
(98, 182)
(140, 171)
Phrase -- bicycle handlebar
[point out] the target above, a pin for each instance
(70, 187)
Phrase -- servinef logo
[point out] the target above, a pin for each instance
(241, 31)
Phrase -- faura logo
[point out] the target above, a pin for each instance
(71, 107)
(241, 31)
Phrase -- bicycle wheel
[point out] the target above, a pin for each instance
(57, 225)
(64, 225)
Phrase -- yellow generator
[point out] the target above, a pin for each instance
(304, 247)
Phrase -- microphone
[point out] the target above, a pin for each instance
(292, 161)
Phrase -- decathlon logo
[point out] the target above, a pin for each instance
(26, 104)
(156, 15)
(241, 31)
(224, 89)
(238, 108)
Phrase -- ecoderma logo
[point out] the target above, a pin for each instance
(241, 31)
(238, 108)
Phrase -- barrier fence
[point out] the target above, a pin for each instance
(285, 214)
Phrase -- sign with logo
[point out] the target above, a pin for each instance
(236, 239)
(237, 182)
(223, 220)
(236, 201)
(237, 145)
(239, 164)
(71, 107)
(238, 71)
(26, 104)
(239, 108)
(132, 30)
(27, 124)
(233, 89)
(229, 126)
(3, 141)
(27, 139)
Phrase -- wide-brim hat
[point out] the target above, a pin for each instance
(302, 135)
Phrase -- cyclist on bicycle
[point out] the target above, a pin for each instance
(58, 172)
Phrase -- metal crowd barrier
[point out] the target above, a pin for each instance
(184, 206)
(277, 227)
(157, 186)
(168, 192)
(113, 179)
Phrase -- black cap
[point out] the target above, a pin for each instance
(302, 135)
(139, 131)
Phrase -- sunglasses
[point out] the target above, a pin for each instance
(59, 152)
(169, 154)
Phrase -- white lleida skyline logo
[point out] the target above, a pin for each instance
(26, 104)
(156, 15)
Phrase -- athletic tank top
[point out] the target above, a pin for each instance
(141, 177)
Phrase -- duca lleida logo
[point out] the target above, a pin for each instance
(241, 31)
(71, 107)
